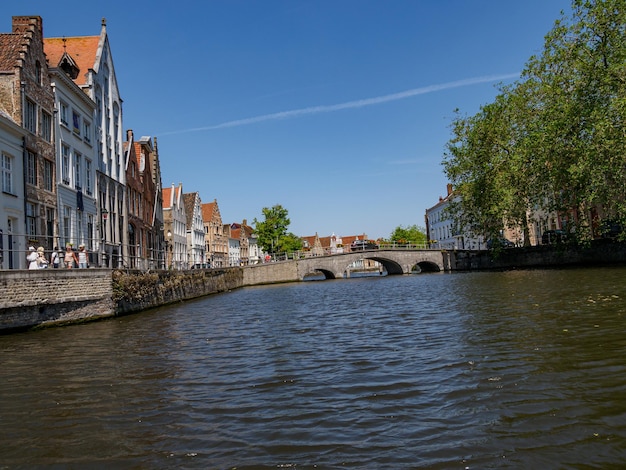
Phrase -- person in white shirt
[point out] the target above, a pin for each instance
(32, 258)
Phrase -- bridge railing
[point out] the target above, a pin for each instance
(277, 257)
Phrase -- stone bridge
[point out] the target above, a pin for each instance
(338, 266)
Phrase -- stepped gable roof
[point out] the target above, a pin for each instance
(82, 50)
(208, 210)
(14, 46)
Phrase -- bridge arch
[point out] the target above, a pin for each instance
(426, 267)
(316, 272)
(392, 267)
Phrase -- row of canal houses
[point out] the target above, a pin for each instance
(71, 175)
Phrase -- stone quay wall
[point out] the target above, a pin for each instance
(53, 297)
(596, 253)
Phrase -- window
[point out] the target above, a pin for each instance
(38, 72)
(31, 220)
(76, 122)
(65, 164)
(88, 176)
(47, 175)
(78, 169)
(87, 131)
(31, 168)
(46, 126)
(64, 114)
(90, 226)
(67, 217)
(50, 225)
(30, 116)
(7, 173)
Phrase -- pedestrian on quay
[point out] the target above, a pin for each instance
(70, 257)
(55, 258)
(42, 261)
(82, 257)
(32, 258)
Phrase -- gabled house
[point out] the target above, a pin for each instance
(92, 59)
(249, 252)
(234, 246)
(76, 159)
(27, 99)
(144, 232)
(216, 243)
(196, 252)
(175, 227)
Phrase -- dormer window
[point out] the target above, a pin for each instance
(68, 65)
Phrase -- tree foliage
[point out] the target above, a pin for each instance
(556, 139)
(410, 234)
(272, 232)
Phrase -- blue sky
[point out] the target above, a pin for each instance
(337, 110)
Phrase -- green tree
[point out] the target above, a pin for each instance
(555, 140)
(411, 234)
(272, 232)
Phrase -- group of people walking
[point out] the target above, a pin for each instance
(37, 258)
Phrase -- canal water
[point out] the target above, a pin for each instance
(520, 369)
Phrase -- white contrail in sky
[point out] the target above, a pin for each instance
(350, 104)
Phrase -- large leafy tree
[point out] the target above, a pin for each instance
(555, 140)
(272, 232)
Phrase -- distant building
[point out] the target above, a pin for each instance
(196, 253)
(175, 227)
(216, 243)
(143, 196)
(249, 252)
(443, 232)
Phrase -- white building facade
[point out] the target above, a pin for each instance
(12, 242)
(442, 231)
(75, 162)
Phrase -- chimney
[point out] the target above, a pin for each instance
(449, 188)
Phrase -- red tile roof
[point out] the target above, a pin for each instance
(82, 50)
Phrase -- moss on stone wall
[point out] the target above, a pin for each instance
(134, 290)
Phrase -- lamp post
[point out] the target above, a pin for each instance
(105, 214)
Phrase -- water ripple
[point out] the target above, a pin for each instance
(478, 370)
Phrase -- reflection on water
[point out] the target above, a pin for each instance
(523, 369)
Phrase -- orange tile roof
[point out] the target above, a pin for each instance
(167, 197)
(207, 211)
(82, 49)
